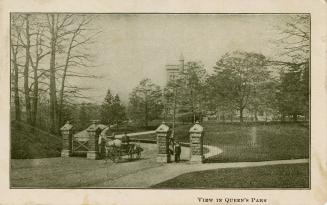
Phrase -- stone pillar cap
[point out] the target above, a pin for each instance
(66, 127)
(162, 128)
(196, 128)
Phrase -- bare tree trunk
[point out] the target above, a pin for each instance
(36, 82)
(61, 95)
(15, 85)
(53, 97)
(38, 57)
(26, 72)
(74, 42)
(35, 94)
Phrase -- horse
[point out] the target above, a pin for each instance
(117, 147)
(112, 148)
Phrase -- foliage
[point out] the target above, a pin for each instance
(187, 92)
(48, 50)
(118, 110)
(86, 112)
(293, 92)
(145, 102)
(237, 74)
(112, 110)
(106, 108)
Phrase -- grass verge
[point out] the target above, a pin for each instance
(274, 176)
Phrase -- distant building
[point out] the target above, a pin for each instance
(174, 70)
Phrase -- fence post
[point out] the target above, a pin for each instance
(196, 143)
(163, 132)
(67, 134)
(94, 132)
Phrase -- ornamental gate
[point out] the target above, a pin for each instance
(85, 142)
(80, 144)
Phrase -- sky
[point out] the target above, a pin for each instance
(132, 47)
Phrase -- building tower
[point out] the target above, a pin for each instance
(173, 71)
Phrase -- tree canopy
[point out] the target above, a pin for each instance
(236, 76)
(145, 102)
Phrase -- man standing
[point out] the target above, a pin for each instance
(177, 152)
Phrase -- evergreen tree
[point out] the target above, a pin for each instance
(117, 111)
(106, 109)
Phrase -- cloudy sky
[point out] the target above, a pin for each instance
(132, 47)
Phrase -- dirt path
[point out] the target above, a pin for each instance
(76, 171)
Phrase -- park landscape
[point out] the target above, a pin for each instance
(85, 71)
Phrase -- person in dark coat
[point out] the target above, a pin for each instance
(177, 152)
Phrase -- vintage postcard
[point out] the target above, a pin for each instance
(131, 105)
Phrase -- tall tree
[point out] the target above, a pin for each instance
(57, 28)
(53, 98)
(27, 46)
(106, 108)
(145, 102)
(294, 60)
(192, 90)
(39, 54)
(16, 27)
(60, 41)
(217, 101)
(185, 94)
(236, 75)
(118, 111)
(79, 41)
(262, 99)
(293, 94)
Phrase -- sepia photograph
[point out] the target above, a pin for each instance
(160, 100)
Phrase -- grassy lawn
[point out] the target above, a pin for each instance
(250, 142)
(276, 176)
(28, 143)
(247, 142)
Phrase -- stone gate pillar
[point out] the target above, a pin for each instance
(67, 134)
(163, 133)
(94, 131)
(196, 143)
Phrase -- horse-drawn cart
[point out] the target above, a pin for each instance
(114, 153)
(116, 147)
